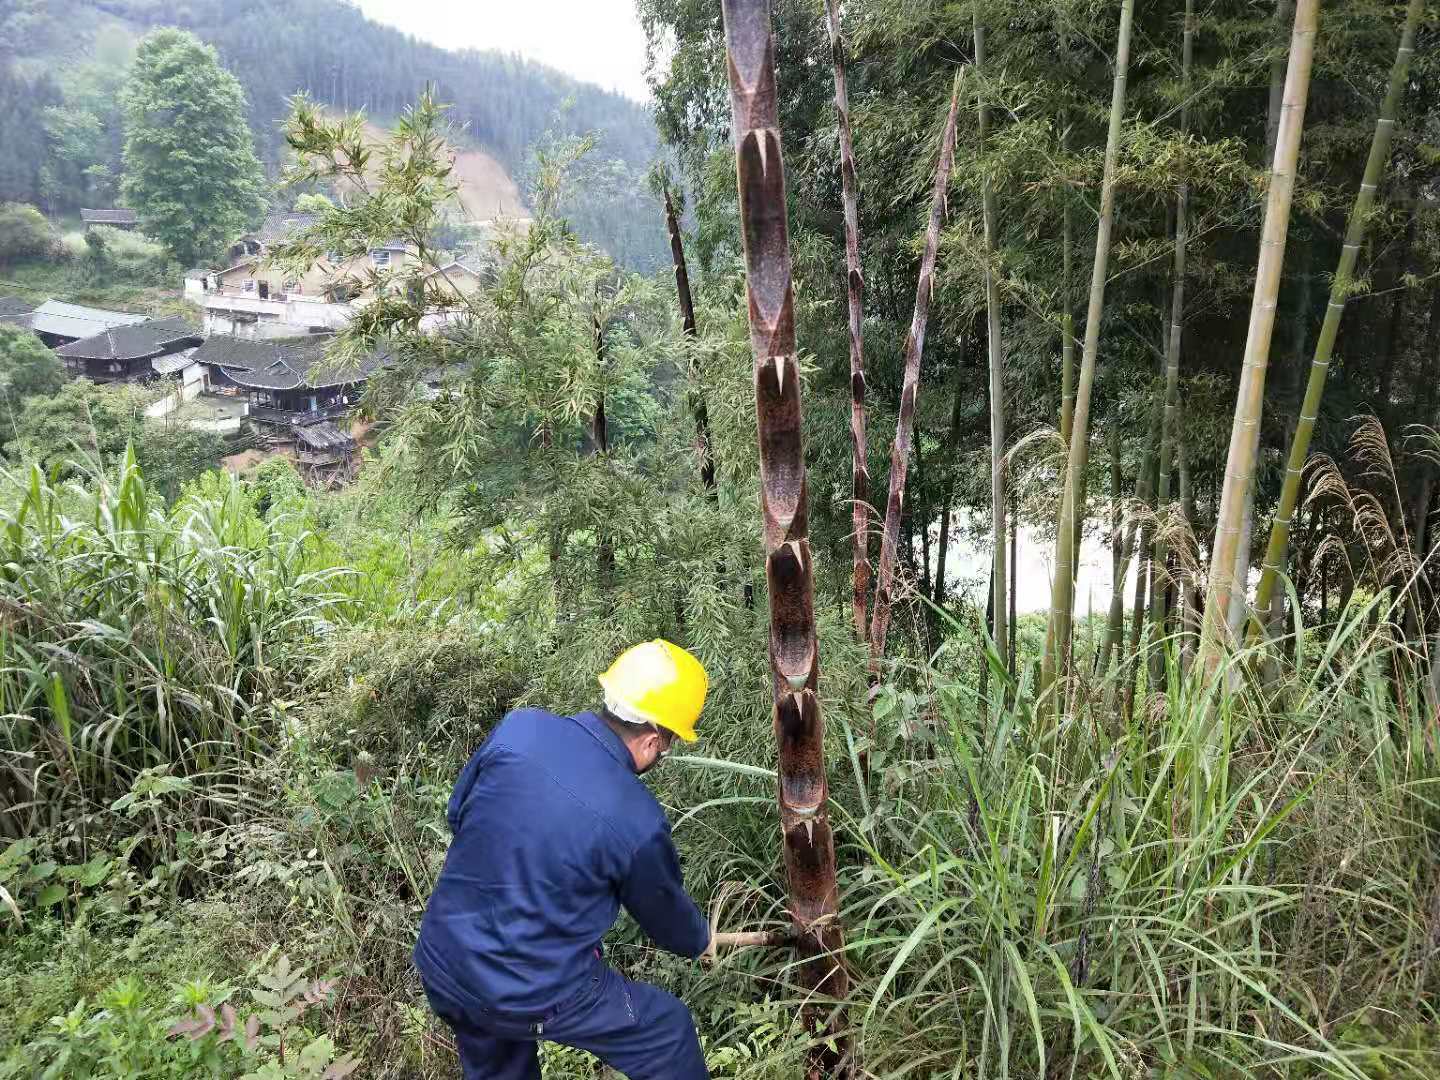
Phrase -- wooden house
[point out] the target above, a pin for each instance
(118, 218)
(134, 353)
(286, 380)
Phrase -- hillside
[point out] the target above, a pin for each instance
(62, 64)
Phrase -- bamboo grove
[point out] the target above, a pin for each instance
(1180, 612)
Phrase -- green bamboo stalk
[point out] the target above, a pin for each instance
(997, 381)
(1250, 400)
(1277, 551)
(1172, 350)
(1062, 597)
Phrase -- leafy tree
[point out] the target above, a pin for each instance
(27, 369)
(312, 203)
(191, 173)
(24, 233)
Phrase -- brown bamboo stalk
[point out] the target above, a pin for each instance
(803, 788)
(687, 318)
(1277, 550)
(996, 363)
(1062, 598)
(855, 285)
(910, 391)
(1245, 431)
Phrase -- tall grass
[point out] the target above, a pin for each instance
(133, 637)
(1232, 885)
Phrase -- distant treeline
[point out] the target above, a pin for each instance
(60, 121)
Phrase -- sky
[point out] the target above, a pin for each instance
(599, 41)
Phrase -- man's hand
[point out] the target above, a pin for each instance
(708, 956)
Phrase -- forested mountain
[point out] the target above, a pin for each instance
(62, 62)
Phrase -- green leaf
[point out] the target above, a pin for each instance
(50, 896)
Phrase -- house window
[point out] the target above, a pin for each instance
(249, 285)
(380, 257)
(292, 288)
(332, 256)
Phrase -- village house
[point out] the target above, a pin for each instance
(134, 353)
(57, 323)
(116, 219)
(285, 380)
(297, 397)
(252, 299)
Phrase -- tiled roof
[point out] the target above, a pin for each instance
(154, 337)
(74, 321)
(280, 225)
(10, 305)
(108, 217)
(285, 364)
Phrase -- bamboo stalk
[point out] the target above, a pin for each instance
(996, 362)
(1277, 551)
(910, 391)
(1172, 350)
(855, 287)
(1067, 311)
(1245, 432)
(1062, 598)
(687, 318)
(803, 789)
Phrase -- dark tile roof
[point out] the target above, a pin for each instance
(286, 363)
(154, 337)
(237, 354)
(108, 217)
(11, 305)
(75, 321)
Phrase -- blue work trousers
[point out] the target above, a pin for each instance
(635, 1028)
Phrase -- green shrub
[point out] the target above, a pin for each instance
(24, 233)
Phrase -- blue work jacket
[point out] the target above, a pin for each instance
(553, 831)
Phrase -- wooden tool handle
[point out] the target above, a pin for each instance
(748, 940)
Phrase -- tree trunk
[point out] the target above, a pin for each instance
(1057, 644)
(1277, 551)
(687, 318)
(997, 385)
(1172, 359)
(1245, 432)
(794, 651)
(910, 391)
(859, 462)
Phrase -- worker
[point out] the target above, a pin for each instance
(553, 833)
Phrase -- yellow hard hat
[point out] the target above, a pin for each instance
(657, 683)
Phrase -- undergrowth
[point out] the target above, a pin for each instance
(224, 747)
